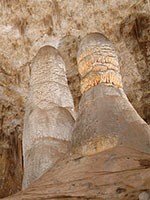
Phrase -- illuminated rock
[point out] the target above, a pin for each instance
(48, 118)
(106, 118)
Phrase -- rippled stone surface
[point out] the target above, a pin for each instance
(48, 119)
(26, 26)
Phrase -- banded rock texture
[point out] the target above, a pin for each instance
(48, 117)
(98, 63)
(27, 25)
(106, 118)
(108, 160)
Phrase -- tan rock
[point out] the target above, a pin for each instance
(106, 160)
(116, 174)
(48, 117)
(26, 26)
(106, 118)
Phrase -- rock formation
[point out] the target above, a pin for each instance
(48, 116)
(108, 158)
(28, 25)
(106, 118)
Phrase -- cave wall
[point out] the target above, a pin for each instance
(25, 26)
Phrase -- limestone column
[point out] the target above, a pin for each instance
(49, 115)
(105, 162)
(106, 118)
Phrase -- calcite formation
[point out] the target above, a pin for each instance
(98, 63)
(115, 174)
(48, 116)
(27, 25)
(106, 118)
(109, 157)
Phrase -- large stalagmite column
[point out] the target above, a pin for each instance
(106, 161)
(48, 118)
(106, 117)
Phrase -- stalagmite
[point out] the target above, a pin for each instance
(106, 118)
(48, 118)
(109, 157)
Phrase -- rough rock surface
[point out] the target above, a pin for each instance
(26, 25)
(117, 174)
(48, 120)
(106, 118)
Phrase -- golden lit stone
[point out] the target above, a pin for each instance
(98, 63)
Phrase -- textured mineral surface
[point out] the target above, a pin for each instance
(48, 120)
(116, 174)
(27, 25)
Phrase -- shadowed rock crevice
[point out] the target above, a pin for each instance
(135, 32)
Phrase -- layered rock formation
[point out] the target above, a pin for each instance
(106, 118)
(109, 155)
(48, 117)
(26, 26)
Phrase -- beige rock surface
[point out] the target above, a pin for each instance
(25, 26)
(106, 118)
(49, 115)
(116, 174)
